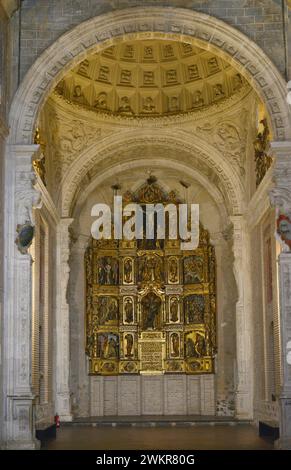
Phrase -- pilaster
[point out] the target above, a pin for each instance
(20, 199)
(244, 345)
(280, 197)
(63, 405)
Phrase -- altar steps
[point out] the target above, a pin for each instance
(156, 421)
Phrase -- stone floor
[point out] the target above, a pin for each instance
(200, 436)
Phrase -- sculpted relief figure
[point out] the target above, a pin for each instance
(101, 101)
(198, 100)
(151, 307)
(173, 270)
(128, 271)
(108, 345)
(148, 105)
(174, 308)
(129, 345)
(175, 340)
(128, 310)
(193, 269)
(227, 139)
(124, 107)
(108, 271)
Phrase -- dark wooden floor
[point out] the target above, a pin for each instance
(200, 436)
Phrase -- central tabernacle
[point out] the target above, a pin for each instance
(150, 306)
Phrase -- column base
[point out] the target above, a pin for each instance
(34, 444)
(283, 443)
(243, 408)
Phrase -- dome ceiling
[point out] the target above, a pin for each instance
(150, 78)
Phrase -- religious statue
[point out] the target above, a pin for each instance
(173, 270)
(128, 310)
(108, 345)
(148, 105)
(129, 344)
(175, 344)
(174, 104)
(108, 271)
(128, 271)
(107, 309)
(193, 269)
(200, 345)
(194, 306)
(101, 101)
(78, 94)
(198, 100)
(218, 91)
(237, 82)
(174, 306)
(125, 107)
(150, 269)
(151, 306)
(190, 347)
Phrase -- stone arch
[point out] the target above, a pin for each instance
(155, 163)
(141, 22)
(206, 156)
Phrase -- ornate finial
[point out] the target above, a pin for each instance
(151, 178)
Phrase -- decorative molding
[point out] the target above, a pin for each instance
(204, 158)
(150, 79)
(218, 107)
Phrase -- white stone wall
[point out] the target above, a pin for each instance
(152, 395)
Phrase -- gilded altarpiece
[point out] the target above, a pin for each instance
(150, 306)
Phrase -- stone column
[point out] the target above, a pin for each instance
(3, 135)
(79, 383)
(244, 345)
(280, 197)
(20, 198)
(62, 374)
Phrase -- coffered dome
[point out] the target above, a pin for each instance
(150, 78)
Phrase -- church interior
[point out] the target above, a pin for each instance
(160, 105)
